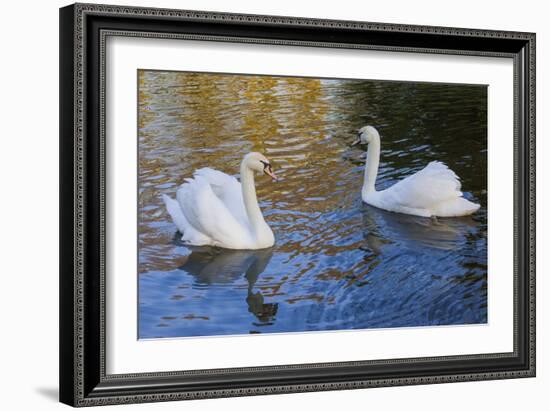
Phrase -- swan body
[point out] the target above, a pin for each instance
(215, 209)
(433, 191)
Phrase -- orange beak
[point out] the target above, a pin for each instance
(270, 173)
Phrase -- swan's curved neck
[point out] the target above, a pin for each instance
(371, 169)
(250, 199)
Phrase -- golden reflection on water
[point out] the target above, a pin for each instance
(213, 120)
(324, 234)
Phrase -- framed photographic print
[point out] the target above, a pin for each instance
(261, 204)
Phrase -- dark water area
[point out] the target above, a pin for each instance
(337, 263)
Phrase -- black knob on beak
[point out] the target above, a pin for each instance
(358, 139)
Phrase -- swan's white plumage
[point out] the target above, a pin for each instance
(190, 235)
(429, 186)
(209, 215)
(432, 191)
(210, 209)
(228, 189)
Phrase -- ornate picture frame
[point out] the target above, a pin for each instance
(84, 29)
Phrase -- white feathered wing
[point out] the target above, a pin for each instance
(228, 189)
(433, 191)
(209, 210)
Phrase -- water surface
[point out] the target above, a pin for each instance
(337, 262)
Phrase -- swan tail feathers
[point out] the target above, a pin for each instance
(174, 209)
(190, 235)
(455, 208)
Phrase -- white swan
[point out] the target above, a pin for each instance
(213, 208)
(433, 191)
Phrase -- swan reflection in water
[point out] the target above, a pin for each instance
(214, 266)
(407, 231)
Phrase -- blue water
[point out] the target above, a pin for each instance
(337, 262)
